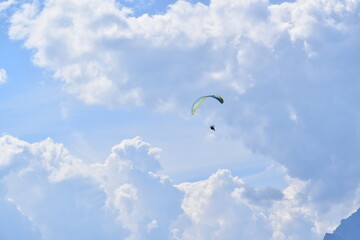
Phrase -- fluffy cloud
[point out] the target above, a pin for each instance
(3, 76)
(70, 45)
(216, 207)
(101, 52)
(104, 55)
(122, 197)
(125, 197)
(304, 113)
(303, 19)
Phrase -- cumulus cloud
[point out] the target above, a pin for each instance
(120, 198)
(215, 208)
(124, 197)
(304, 113)
(85, 71)
(3, 76)
(100, 57)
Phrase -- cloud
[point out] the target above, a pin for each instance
(304, 114)
(124, 197)
(304, 19)
(215, 208)
(6, 4)
(111, 57)
(84, 70)
(105, 55)
(120, 198)
(3, 76)
(288, 71)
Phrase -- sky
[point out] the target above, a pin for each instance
(97, 140)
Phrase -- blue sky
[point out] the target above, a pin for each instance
(97, 137)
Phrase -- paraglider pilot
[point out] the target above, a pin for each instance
(201, 99)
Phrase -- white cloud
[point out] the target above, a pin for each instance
(99, 57)
(10, 147)
(68, 44)
(304, 19)
(3, 76)
(126, 185)
(304, 113)
(213, 210)
(6, 4)
(131, 201)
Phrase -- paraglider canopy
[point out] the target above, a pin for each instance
(201, 99)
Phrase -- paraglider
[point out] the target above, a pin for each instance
(201, 99)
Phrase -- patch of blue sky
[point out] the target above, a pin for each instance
(153, 7)
(27, 99)
(280, 1)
